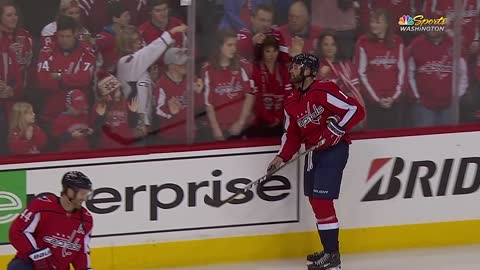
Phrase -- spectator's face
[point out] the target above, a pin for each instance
(136, 42)
(73, 12)
(298, 18)
(154, 72)
(270, 54)
(229, 48)
(378, 26)
(160, 13)
(117, 94)
(124, 19)
(179, 69)
(329, 47)
(9, 18)
(30, 117)
(262, 22)
(66, 39)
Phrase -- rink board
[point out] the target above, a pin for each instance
(150, 212)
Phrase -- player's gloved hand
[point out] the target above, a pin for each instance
(333, 132)
(43, 259)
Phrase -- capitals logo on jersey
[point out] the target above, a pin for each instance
(231, 89)
(312, 114)
(441, 69)
(66, 243)
(387, 61)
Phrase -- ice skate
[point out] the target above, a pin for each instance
(315, 256)
(329, 261)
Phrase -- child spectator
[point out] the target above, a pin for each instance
(25, 136)
(71, 129)
(64, 65)
(114, 117)
(229, 91)
(171, 100)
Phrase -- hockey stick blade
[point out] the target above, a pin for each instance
(219, 203)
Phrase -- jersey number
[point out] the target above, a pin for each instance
(26, 215)
(44, 66)
(87, 66)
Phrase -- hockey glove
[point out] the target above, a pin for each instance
(43, 259)
(333, 133)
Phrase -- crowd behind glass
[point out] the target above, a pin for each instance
(93, 79)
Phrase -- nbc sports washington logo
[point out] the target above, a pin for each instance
(420, 23)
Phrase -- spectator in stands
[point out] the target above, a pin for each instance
(160, 21)
(338, 15)
(68, 8)
(115, 118)
(430, 72)
(16, 50)
(469, 13)
(71, 128)
(134, 66)
(237, 13)
(299, 28)
(397, 9)
(171, 99)
(272, 79)
(64, 65)
(281, 11)
(379, 56)
(250, 39)
(338, 69)
(107, 56)
(15, 38)
(229, 91)
(94, 13)
(25, 136)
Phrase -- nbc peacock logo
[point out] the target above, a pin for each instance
(406, 20)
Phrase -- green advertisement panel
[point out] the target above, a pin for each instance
(13, 198)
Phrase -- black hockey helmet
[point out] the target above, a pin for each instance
(76, 180)
(307, 60)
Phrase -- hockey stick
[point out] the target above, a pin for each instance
(219, 203)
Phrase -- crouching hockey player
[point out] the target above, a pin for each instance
(54, 232)
(316, 111)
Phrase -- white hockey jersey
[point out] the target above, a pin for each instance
(132, 72)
